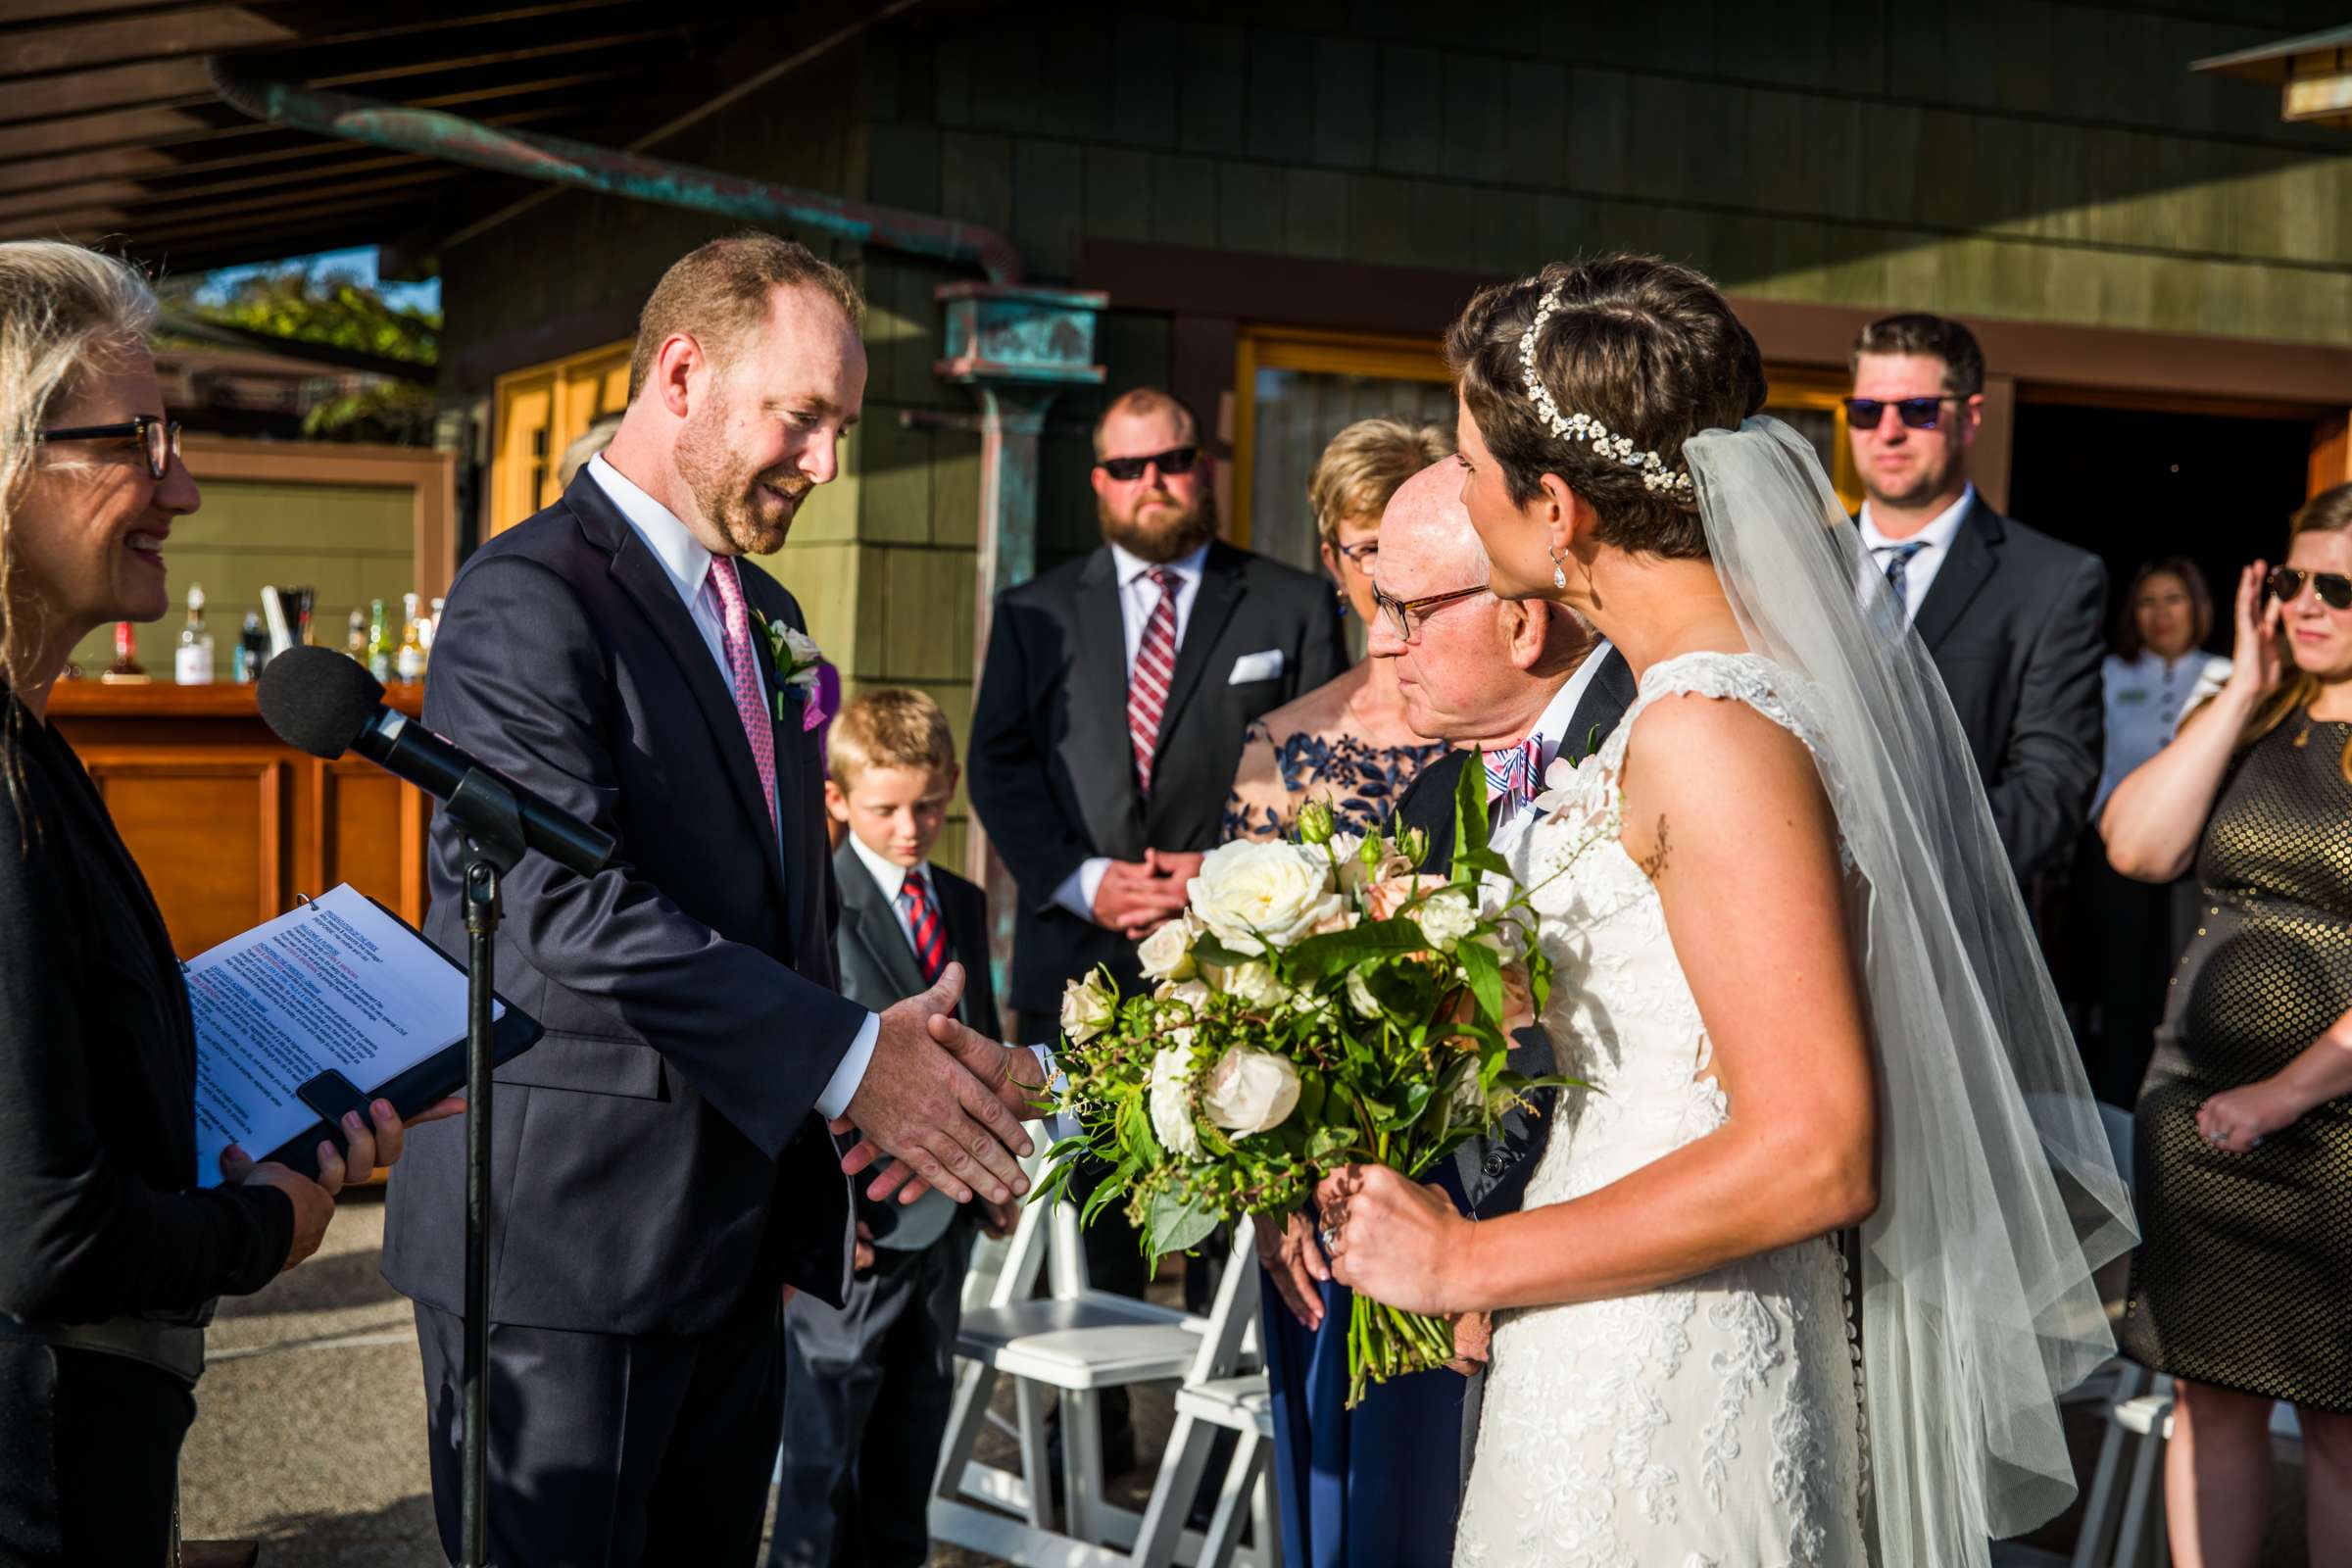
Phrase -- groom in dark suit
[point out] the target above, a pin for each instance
(2013, 620)
(664, 1176)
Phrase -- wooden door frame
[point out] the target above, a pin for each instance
(427, 474)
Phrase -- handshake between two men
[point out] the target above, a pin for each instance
(945, 1103)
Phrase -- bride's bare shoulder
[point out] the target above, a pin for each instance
(1700, 767)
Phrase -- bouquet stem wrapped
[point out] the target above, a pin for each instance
(1321, 1003)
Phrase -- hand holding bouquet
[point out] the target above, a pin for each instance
(1320, 1003)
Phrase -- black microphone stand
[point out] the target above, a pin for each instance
(486, 810)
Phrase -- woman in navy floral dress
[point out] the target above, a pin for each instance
(1377, 1485)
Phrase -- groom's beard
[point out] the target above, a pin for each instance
(753, 511)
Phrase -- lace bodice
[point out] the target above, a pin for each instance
(1713, 1422)
(1615, 967)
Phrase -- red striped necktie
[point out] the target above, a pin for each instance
(922, 918)
(1148, 684)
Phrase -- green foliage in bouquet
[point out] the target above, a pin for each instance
(1321, 1003)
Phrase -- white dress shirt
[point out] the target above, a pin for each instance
(1139, 597)
(2146, 698)
(687, 564)
(891, 878)
(1551, 726)
(1935, 538)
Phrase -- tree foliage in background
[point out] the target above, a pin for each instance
(323, 305)
(329, 307)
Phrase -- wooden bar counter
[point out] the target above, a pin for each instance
(228, 822)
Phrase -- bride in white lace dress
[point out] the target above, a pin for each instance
(1795, 975)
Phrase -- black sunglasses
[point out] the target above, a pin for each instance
(158, 437)
(1176, 460)
(1917, 414)
(2334, 587)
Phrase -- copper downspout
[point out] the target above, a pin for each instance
(562, 161)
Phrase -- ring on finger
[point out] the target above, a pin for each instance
(1331, 1239)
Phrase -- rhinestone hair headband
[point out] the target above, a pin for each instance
(1655, 476)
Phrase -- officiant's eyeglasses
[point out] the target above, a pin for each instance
(160, 439)
(2334, 587)
(1917, 414)
(1405, 615)
(1176, 460)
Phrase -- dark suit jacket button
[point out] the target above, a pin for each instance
(1496, 1163)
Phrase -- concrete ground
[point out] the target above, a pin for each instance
(310, 1431)
(310, 1425)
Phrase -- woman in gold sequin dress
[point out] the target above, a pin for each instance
(2243, 1147)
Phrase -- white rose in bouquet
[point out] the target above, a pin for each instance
(1253, 892)
(1167, 952)
(1444, 917)
(1087, 1009)
(1250, 1091)
(1172, 1103)
(1254, 983)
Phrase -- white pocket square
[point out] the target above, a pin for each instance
(1255, 666)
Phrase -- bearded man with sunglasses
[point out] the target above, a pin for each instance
(2011, 616)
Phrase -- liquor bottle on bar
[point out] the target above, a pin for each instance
(125, 671)
(355, 640)
(432, 624)
(192, 663)
(252, 649)
(409, 663)
(379, 641)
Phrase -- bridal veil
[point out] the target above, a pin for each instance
(1998, 1196)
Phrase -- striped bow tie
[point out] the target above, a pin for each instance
(1516, 775)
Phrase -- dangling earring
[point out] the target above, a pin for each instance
(1340, 594)
(1559, 572)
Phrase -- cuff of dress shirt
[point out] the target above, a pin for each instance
(1077, 891)
(833, 1100)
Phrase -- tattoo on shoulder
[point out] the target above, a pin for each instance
(1654, 862)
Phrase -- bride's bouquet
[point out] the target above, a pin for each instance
(1320, 1003)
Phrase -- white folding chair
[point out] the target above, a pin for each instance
(1073, 1342)
(1217, 1395)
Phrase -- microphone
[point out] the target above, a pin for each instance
(324, 703)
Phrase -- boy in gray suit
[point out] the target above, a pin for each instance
(867, 1385)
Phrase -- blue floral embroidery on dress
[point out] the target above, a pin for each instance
(1361, 782)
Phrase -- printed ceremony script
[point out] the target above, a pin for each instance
(339, 984)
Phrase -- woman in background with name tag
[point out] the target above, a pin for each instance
(2157, 671)
(112, 1257)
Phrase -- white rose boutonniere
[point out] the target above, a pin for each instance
(796, 656)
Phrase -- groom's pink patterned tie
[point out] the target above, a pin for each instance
(743, 673)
